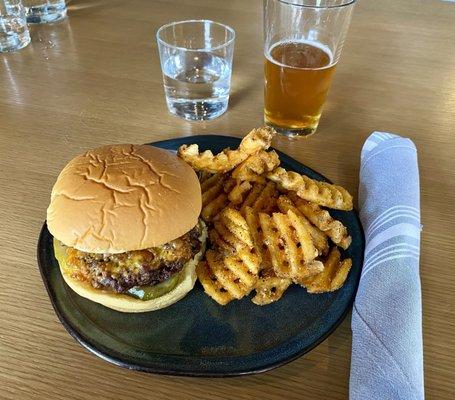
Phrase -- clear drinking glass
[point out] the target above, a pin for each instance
(14, 33)
(45, 11)
(302, 45)
(196, 60)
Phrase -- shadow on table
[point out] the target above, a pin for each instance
(240, 94)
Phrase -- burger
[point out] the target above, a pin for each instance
(126, 227)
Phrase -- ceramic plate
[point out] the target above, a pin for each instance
(196, 336)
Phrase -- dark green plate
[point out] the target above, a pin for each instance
(196, 336)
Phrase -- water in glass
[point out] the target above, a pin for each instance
(197, 85)
(196, 60)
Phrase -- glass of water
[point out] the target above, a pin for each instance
(45, 11)
(14, 33)
(196, 60)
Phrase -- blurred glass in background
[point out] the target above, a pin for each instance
(14, 33)
(45, 11)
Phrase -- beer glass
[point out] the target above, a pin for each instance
(302, 45)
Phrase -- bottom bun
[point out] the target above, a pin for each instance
(129, 304)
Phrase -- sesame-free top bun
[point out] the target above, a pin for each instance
(124, 197)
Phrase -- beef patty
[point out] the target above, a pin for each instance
(120, 272)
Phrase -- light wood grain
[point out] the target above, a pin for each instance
(95, 79)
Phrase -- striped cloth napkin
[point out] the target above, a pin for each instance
(387, 355)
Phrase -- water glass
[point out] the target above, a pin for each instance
(196, 61)
(45, 11)
(302, 44)
(14, 33)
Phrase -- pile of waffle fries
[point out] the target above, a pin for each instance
(267, 227)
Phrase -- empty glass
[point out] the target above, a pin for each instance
(45, 11)
(196, 60)
(14, 33)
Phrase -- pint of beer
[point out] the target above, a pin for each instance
(303, 41)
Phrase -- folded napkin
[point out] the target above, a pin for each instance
(387, 355)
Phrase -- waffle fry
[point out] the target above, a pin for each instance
(250, 176)
(334, 229)
(211, 285)
(203, 176)
(257, 237)
(321, 193)
(260, 198)
(245, 265)
(234, 264)
(212, 187)
(255, 165)
(266, 226)
(213, 208)
(332, 277)
(291, 249)
(258, 139)
(220, 190)
(309, 251)
(269, 288)
(231, 232)
(247, 255)
(255, 230)
(252, 196)
(227, 278)
(319, 238)
(238, 192)
(207, 161)
(214, 197)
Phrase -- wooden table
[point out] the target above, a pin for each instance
(95, 79)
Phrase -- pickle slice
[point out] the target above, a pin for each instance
(139, 292)
(152, 292)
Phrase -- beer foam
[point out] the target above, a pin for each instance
(312, 43)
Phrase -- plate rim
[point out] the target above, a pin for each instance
(117, 360)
